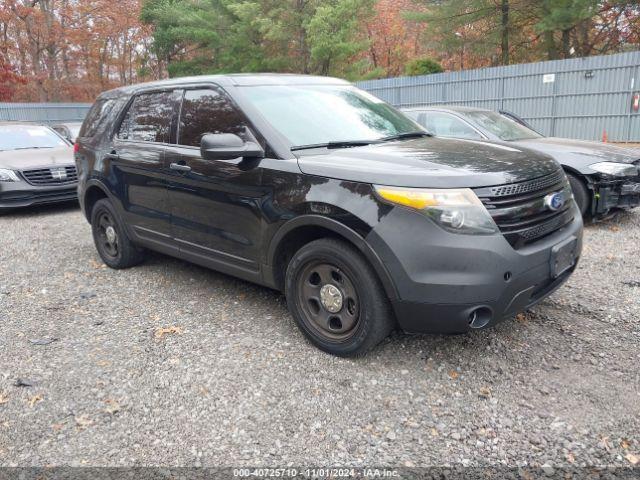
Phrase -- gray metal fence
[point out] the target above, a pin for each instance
(575, 98)
(44, 112)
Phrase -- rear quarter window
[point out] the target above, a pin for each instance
(96, 116)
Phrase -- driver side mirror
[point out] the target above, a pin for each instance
(226, 146)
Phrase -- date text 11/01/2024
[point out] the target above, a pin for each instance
(316, 472)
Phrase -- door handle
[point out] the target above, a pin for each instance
(180, 167)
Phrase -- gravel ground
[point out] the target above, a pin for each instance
(230, 380)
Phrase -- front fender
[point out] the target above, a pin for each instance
(340, 229)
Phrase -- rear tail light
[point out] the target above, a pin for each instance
(76, 147)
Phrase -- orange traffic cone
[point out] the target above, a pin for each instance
(604, 136)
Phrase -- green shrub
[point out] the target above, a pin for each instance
(422, 66)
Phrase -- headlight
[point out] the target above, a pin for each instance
(7, 175)
(615, 169)
(455, 210)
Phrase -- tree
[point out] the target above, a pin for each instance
(309, 36)
(73, 49)
(479, 33)
(333, 35)
(482, 28)
(423, 66)
(563, 16)
(9, 80)
(393, 39)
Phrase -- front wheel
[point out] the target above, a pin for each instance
(110, 238)
(336, 298)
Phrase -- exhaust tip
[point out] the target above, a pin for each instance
(480, 317)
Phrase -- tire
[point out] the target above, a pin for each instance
(117, 252)
(580, 193)
(364, 318)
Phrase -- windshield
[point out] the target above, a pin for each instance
(314, 114)
(16, 137)
(505, 128)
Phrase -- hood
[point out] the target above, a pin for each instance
(579, 154)
(429, 162)
(36, 158)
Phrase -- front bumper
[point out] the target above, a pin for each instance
(616, 194)
(442, 278)
(22, 194)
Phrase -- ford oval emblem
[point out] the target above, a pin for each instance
(554, 201)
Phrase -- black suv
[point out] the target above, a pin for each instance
(313, 187)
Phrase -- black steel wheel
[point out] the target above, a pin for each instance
(110, 238)
(107, 234)
(329, 300)
(336, 298)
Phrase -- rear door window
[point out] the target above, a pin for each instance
(208, 111)
(149, 117)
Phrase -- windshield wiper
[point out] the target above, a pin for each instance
(336, 144)
(360, 143)
(401, 136)
(28, 148)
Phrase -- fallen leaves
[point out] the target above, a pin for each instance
(632, 459)
(98, 265)
(3, 398)
(453, 374)
(485, 392)
(35, 399)
(112, 407)
(83, 421)
(162, 331)
(56, 427)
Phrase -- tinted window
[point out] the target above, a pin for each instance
(208, 111)
(97, 113)
(149, 118)
(445, 125)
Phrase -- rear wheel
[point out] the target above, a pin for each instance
(580, 193)
(110, 237)
(336, 298)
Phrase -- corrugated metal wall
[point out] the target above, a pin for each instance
(575, 98)
(44, 112)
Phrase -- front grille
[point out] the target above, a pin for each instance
(51, 175)
(530, 186)
(520, 210)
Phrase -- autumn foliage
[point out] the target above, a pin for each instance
(59, 50)
(71, 50)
